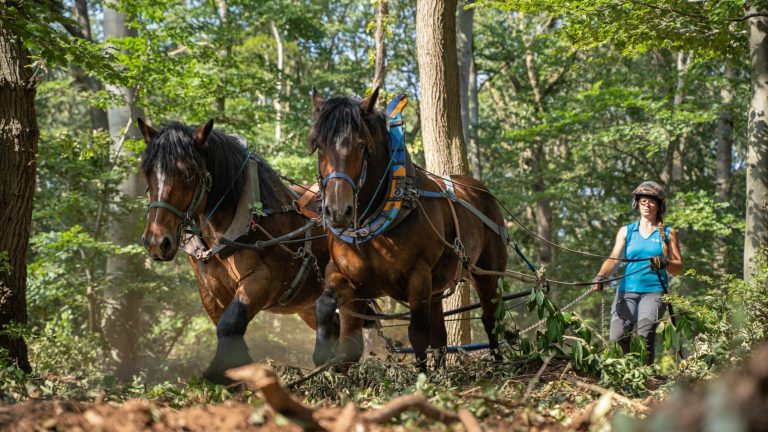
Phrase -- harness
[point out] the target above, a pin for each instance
(244, 223)
(401, 195)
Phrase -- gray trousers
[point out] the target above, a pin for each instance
(641, 310)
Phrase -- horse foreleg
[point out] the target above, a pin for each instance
(231, 349)
(419, 293)
(438, 335)
(325, 311)
(490, 299)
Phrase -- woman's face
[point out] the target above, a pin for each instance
(648, 206)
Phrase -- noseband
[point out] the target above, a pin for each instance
(356, 185)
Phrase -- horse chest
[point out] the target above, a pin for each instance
(376, 264)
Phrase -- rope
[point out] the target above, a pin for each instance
(531, 232)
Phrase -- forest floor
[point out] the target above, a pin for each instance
(552, 398)
(386, 395)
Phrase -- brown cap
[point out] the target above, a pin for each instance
(650, 188)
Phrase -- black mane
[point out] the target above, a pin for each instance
(223, 157)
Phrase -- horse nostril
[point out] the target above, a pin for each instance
(165, 246)
(348, 211)
(145, 241)
(326, 211)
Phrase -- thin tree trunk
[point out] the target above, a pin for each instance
(380, 69)
(674, 169)
(122, 302)
(474, 155)
(223, 10)
(467, 80)
(18, 149)
(756, 235)
(278, 94)
(543, 210)
(723, 176)
(441, 128)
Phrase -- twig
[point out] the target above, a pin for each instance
(310, 375)
(469, 421)
(401, 404)
(536, 377)
(637, 406)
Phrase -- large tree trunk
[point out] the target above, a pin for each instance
(440, 106)
(122, 301)
(474, 119)
(18, 149)
(756, 235)
(88, 83)
(723, 173)
(222, 8)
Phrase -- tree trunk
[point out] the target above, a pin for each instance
(723, 176)
(756, 235)
(440, 106)
(223, 10)
(278, 93)
(88, 83)
(380, 70)
(122, 301)
(673, 172)
(18, 148)
(467, 80)
(474, 119)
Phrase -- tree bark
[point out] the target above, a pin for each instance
(440, 104)
(475, 156)
(380, 70)
(756, 235)
(122, 302)
(222, 8)
(18, 149)
(723, 172)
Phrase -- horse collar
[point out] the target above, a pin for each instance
(400, 181)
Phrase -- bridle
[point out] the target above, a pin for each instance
(187, 217)
(341, 175)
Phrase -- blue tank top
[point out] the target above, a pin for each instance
(636, 246)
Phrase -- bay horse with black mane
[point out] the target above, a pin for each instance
(203, 181)
(415, 258)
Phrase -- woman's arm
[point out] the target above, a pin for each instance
(675, 258)
(609, 265)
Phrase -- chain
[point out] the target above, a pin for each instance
(602, 316)
(566, 307)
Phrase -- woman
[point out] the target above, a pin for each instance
(638, 299)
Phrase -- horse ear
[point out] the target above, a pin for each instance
(368, 104)
(147, 131)
(317, 102)
(201, 134)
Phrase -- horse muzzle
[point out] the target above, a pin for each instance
(160, 247)
(339, 216)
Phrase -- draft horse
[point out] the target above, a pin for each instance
(198, 180)
(414, 260)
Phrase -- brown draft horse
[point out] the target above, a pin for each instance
(199, 172)
(409, 262)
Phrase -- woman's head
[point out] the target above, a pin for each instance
(649, 199)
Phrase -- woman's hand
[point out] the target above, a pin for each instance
(598, 282)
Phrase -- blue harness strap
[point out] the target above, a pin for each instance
(397, 171)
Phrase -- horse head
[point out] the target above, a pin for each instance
(350, 137)
(178, 180)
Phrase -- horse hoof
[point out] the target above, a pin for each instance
(217, 377)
